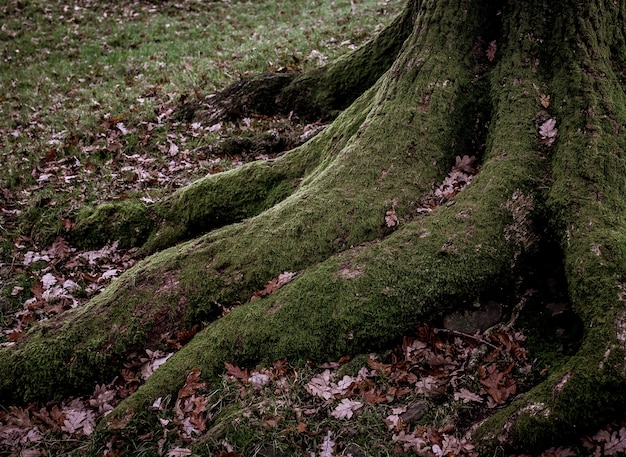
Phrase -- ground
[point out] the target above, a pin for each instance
(286, 257)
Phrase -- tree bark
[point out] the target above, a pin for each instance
(471, 78)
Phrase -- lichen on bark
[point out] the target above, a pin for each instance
(466, 78)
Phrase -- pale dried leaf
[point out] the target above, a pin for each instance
(391, 219)
(393, 420)
(157, 358)
(258, 380)
(346, 409)
(31, 257)
(467, 396)
(548, 131)
(48, 280)
(319, 386)
(417, 442)
(112, 273)
(33, 436)
(179, 452)
(426, 385)
(101, 398)
(158, 404)
(327, 447)
(342, 386)
(76, 419)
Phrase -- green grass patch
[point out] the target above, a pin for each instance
(87, 84)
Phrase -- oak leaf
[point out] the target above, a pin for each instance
(328, 446)
(346, 409)
(192, 384)
(467, 396)
(275, 284)
(319, 386)
(77, 420)
(548, 132)
(236, 372)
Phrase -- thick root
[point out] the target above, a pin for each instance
(586, 201)
(338, 203)
(362, 282)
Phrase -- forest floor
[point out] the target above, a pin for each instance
(89, 99)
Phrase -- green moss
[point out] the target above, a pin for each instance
(128, 222)
(428, 265)
(324, 92)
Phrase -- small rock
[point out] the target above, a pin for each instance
(414, 412)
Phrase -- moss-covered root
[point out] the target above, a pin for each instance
(215, 200)
(233, 196)
(388, 164)
(319, 93)
(367, 297)
(322, 92)
(587, 206)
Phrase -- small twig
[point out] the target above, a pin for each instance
(466, 335)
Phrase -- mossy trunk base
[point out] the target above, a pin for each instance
(534, 90)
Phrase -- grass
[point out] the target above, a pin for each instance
(71, 71)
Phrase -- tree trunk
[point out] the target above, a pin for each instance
(471, 78)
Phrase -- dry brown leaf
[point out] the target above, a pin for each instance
(544, 100)
(236, 372)
(274, 285)
(391, 219)
(499, 386)
(192, 385)
(301, 428)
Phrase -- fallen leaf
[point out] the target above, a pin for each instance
(236, 372)
(179, 452)
(499, 386)
(274, 285)
(467, 396)
(391, 219)
(79, 420)
(192, 384)
(548, 132)
(327, 447)
(319, 386)
(346, 409)
(258, 380)
(270, 422)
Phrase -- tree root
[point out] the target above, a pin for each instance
(362, 282)
(317, 94)
(336, 204)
